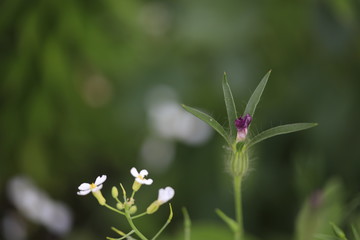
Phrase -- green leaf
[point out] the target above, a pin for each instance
(209, 120)
(230, 107)
(326, 237)
(283, 129)
(187, 224)
(313, 217)
(229, 221)
(355, 233)
(255, 97)
(338, 232)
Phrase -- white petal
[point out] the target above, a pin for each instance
(139, 180)
(166, 194)
(83, 192)
(144, 173)
(99, 180)
(84, 186)
(97, 188)
(148, 181)
(134, 172)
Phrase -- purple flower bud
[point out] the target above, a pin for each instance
(242, 124)
(316, 199)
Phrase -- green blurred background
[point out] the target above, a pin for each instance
(95, 87)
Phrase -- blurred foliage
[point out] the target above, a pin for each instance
(74, 76)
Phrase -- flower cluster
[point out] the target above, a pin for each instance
(127, 207)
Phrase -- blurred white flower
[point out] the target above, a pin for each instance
(140, 177)
(14, 227)
(168, 123)
(168, 120)
(165, 194)
(38, 207)
(86, 188)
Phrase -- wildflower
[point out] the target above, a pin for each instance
(242, 124)
(165, 194)
(95, 188)
(140, 178)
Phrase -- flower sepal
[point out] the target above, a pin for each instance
(239, 146)
(98, 195)
(153, 207)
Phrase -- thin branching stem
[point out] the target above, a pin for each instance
(136, 230)
(165, 225)
(114, 209)
(139, 215)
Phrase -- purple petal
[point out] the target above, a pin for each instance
(243, 122)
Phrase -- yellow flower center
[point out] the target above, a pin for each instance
(92, 186)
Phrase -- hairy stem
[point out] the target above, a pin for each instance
(238, 207)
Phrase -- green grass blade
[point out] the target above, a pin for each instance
(338, 232)
(187, 224)
(209, 120)
(283, 129)
(229, 221)
(325, 237)
(230, 107)
(255, 97)
(355, 233)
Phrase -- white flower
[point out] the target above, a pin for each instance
(140, 177)
(86, 188)
(165, 194)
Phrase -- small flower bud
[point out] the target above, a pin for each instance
(120, 206)
(114, 192)
(242, 124)
(153, 207)
(132, 210)
(98, 195)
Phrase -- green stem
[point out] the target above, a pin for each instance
(238, 207)
(113, 209)
(165, 225)
(128, 217)
(187, 224)
(139, 215)
(132, 195)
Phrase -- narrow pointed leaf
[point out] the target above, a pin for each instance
(283, 129)
(209, 120)
(338, 232)
(325, 237)
(230, 107)
(355, 233)
(255, 97)
(187, 224)
(229, 221)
